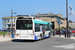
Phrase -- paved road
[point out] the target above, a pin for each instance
(45, 44)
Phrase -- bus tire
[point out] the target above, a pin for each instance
(49, 35)
(40, 36)
(43, 36)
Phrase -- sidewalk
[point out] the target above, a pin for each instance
(62, 36)
(3, 39)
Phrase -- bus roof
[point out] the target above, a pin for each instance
(41, 22)
(25, 17)
(35, 21)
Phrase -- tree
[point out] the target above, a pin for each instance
(69, 27)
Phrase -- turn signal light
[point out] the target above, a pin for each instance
(17, 34)
(33, 31)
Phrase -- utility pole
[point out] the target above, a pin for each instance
(67, 16)
(9, 29)
(59, 29)
(59, 24)
(11, 21)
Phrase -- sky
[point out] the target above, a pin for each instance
(33, 7)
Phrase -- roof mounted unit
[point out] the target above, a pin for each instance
(23, 15)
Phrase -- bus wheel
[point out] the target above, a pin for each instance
(49, 35)
(40, 36)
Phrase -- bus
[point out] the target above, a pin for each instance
(31, 29)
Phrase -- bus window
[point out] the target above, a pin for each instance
(43, 27)
(47, 27)
(37, 27)
(24, 24)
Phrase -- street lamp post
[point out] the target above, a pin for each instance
(67, 16)
(12, 21)
(9, 28)
(58, 21)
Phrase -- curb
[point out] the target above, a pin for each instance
(5, 41)
(64, 37)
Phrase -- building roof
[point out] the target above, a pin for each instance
(16, 16)
(48, 15)
(9, 17)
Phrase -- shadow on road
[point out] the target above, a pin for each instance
(28, 40)
(23, 41)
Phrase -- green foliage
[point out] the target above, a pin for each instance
(63, 28)
(58, 28)
(3, 32)
(69, 27)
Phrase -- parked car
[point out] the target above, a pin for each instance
(73, 31)
(61, 32)
(4, 30)
(0, 29)
(57, 32)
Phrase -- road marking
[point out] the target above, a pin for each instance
(69, 46)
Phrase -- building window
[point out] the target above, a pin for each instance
(52, 16)
(14, 20)
(13, 25)
(4, 25)
(4, 20)
(8, 20)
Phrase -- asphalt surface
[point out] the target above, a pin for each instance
(45, 44)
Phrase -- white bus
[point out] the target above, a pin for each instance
(31, 29)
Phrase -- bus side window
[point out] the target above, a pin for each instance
(47, 27)
(43, 27)
(37, 27)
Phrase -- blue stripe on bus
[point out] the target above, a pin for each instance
(36, 38)
(46, 36)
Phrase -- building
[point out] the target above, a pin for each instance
(6, 21)
(72, 24)
(52, 18)
(45, 17)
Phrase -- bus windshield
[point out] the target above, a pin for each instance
(24, 24)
